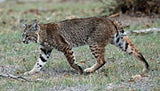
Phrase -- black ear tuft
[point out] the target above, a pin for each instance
(22, 24)
(36, 26)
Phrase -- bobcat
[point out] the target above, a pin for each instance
(96, 32)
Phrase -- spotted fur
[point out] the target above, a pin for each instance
(96, 32)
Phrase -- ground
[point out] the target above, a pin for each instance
(121, 72)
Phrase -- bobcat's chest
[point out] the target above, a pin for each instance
(46, 43)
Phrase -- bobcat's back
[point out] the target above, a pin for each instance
(78, 31)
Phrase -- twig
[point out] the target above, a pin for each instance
(143, 31)
(14, 77)
(114, 15)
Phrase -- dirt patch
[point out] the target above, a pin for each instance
(145, 83)
(58, 72)
(68, 88)
(8, 69)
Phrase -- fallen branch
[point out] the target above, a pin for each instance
(14, 77)
(114, 15)
(143, 32)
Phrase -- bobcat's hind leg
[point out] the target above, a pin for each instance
(42, 59)
(98, 52)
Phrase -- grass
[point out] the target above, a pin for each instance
(16, 57)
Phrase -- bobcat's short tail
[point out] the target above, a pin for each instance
(122, 41)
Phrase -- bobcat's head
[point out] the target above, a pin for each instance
(29, 33)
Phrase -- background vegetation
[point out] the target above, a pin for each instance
(121, 72)
(133, 7)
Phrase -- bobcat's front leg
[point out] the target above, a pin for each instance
(42, 59)
(70, 58)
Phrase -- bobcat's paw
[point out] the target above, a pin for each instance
(145, 70)
(26, 73)
(88, 70)
(30, 73)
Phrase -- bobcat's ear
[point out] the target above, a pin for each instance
(35, 26)
(22, 24)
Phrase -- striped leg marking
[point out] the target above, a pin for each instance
(42, 59)
(98, 53)
(70, 58)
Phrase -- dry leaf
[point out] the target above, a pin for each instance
(71, 17)
(83, 62)
(137, 77)
(39, 79)
(1, 9)
(102, 70)
(156, 68)
(114, 15)
(144, 75)
(67, 75)
(131, 81)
